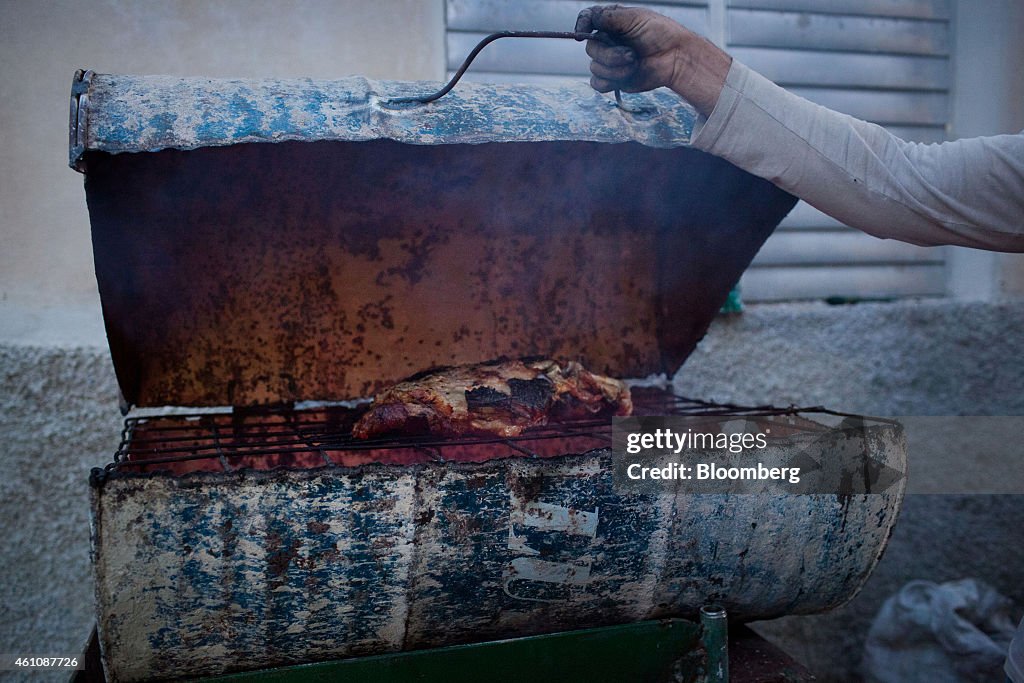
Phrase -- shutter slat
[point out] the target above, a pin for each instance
(539, 79)
(520, 55)
(799, 30)
(882, 106)
(807, 247)
(488, 16)
(856, 70)
(879, 60)
(911, 9)
(819, 282)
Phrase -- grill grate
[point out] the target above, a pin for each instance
(318, 437)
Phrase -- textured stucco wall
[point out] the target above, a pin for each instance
(58, 417)
(911, 358)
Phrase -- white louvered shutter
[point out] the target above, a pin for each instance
(885, 61)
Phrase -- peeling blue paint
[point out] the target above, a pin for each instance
(163, 123)
(248, 118)
(263, 568)
(149, 113)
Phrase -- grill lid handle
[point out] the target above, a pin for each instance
(572, 35)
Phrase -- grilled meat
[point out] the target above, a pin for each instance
(501, 397)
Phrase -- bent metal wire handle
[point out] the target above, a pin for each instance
(508, 34)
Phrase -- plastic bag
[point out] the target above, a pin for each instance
(954, 632)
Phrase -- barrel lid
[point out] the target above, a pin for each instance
(371, 240)
(148, 113)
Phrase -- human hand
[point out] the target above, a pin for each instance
(651, 51)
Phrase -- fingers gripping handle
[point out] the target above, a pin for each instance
(424, 99)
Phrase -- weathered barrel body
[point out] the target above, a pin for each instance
(211, 571)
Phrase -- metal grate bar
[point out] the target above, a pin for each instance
(322, 436)
(525, 451)
(220, 451)
(308, 441)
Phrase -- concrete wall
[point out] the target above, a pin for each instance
(46, 258)
(58, 419)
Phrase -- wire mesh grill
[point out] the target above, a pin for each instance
(319, 437)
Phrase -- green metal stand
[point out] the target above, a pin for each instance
(665, 650)
(715, 638)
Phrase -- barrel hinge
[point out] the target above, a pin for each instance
(77, 126)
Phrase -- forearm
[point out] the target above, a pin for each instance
(969, 192)
(700, 73)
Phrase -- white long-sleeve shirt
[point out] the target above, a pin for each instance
(967, 192)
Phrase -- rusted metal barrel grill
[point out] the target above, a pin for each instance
(269, 246)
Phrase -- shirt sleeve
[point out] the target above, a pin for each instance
(967, 192)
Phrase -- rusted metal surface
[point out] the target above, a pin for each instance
(301, 271)
(216, 570)
(390, 240)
